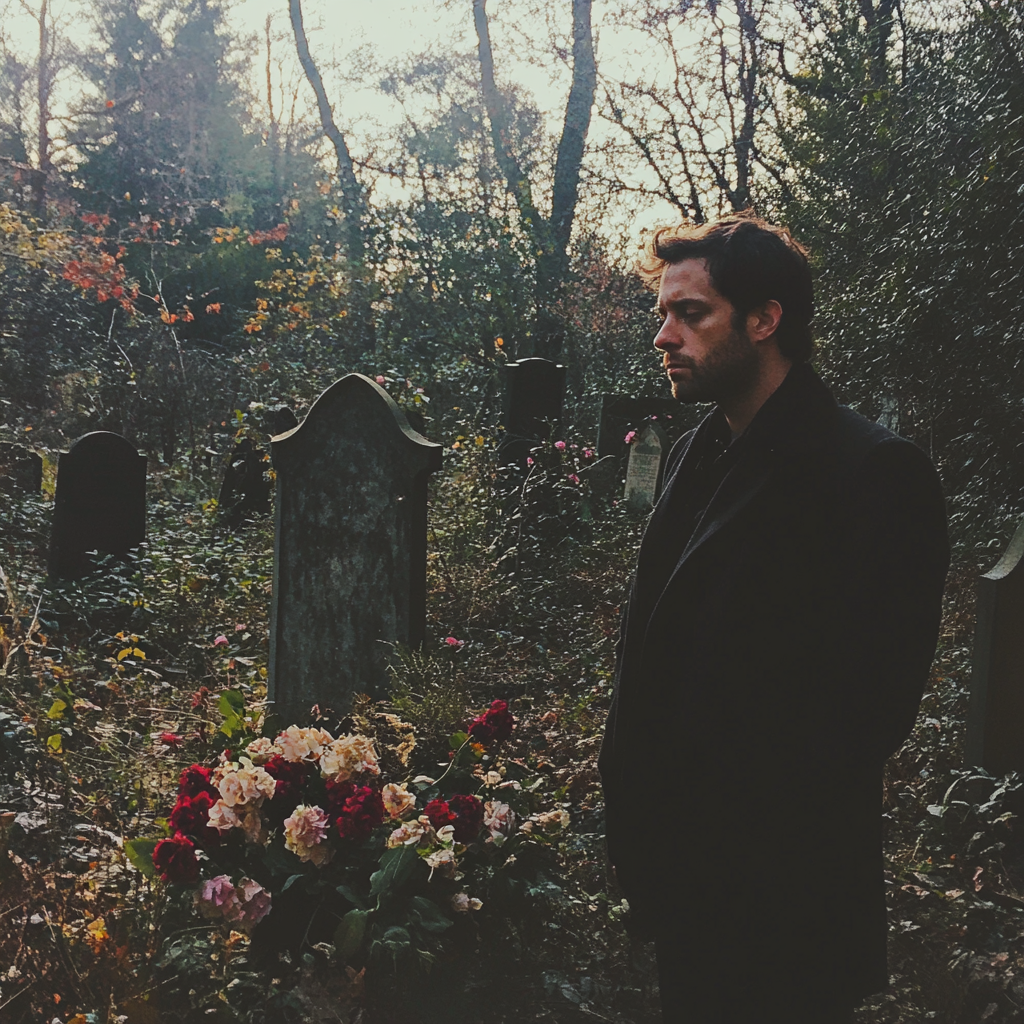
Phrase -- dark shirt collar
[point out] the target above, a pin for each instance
(794, 411)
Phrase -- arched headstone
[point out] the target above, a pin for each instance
(643, 472)
(995, 718)
(100, 502)
(535, 389)
(245, 490)
(349, 549)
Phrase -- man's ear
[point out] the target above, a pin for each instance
(762, 321)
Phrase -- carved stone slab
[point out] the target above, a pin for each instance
(100, 502)
(995, 718)
(350, 547)
(643, 473)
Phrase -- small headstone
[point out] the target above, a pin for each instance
(20, 468)
(245, 490)
(100, 502)
(995, 718)
(620, 414)
(350, 547)
(889, 417)
(643, 474)
(534, 394)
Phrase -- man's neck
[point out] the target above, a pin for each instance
(740, 411)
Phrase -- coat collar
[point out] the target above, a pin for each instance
(797, 419)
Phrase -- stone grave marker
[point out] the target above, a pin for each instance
(100, 502)
(245, 490)
(350, 547)
(533, 400)
(619, 414)
(20, 468)
(643, 472)
(995, 717)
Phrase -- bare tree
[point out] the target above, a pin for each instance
(697, 114)
(550, 235)
(353, 198)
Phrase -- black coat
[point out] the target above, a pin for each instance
(760, 691)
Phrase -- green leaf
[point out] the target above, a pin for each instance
(396, 866)
(457, 739)
(428, 915)
(352, 896)
(232, 707)
(350, 932)
(57, 709)
(292, 879)
(55, 744)
(140, 853)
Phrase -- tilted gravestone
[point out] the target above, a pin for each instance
(100, 503)
(643, 473)
(995, 718)
(20, 468)
(535, 389)
(245, 490)
(350, 547)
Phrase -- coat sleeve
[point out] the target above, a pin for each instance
(896, 551)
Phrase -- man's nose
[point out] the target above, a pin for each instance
(666, 337)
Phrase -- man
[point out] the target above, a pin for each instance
(778, 634)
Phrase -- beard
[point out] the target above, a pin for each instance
(729, 370)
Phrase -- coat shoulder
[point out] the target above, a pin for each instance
(859, 440)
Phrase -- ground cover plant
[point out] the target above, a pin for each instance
(136, 695)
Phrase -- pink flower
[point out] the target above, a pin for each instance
(222, 639)
(654, 417)
(560, 445)
(172, 739)
(217, 898)
(239, 626)
(380, 379)
(573, 478)
(529, 461)
(587, 453)
(304, 833)
(452, 642)
(629, 437)
(254, 902)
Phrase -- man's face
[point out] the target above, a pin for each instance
(708, 354)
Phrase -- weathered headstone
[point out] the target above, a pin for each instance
(245, 490)
(20, 468)
(643, 474)
(889, 414)
(620, 414)
(100, 502)
(534, 392)
(349, 548)
(995, 718)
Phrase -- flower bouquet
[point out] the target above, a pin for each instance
(373, 861)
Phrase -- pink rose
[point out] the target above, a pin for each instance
(380, 379)
(629, 437)
(560, 445)
(222, 639)
(573, 478)
(452, 642)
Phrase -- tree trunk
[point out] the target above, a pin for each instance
(550, 236)
(353, 200)
(43, 98)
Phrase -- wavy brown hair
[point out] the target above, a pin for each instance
(750, 262)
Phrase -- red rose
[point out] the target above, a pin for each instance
(175, 860)
(494, 726)
(191, 817)
(290, 777)
(195, 779)
(440, 813)
(469, 817)
(355, 809)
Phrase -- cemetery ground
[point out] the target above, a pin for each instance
(115, 683)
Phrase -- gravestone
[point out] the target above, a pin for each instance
(535, 389)
(20, 468)
(643, 472)
(280, 420)
(100, 503)
(620, 414)
(995, 718)
(350, 547)
(245, 490)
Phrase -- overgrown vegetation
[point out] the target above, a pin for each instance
(181, 256)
